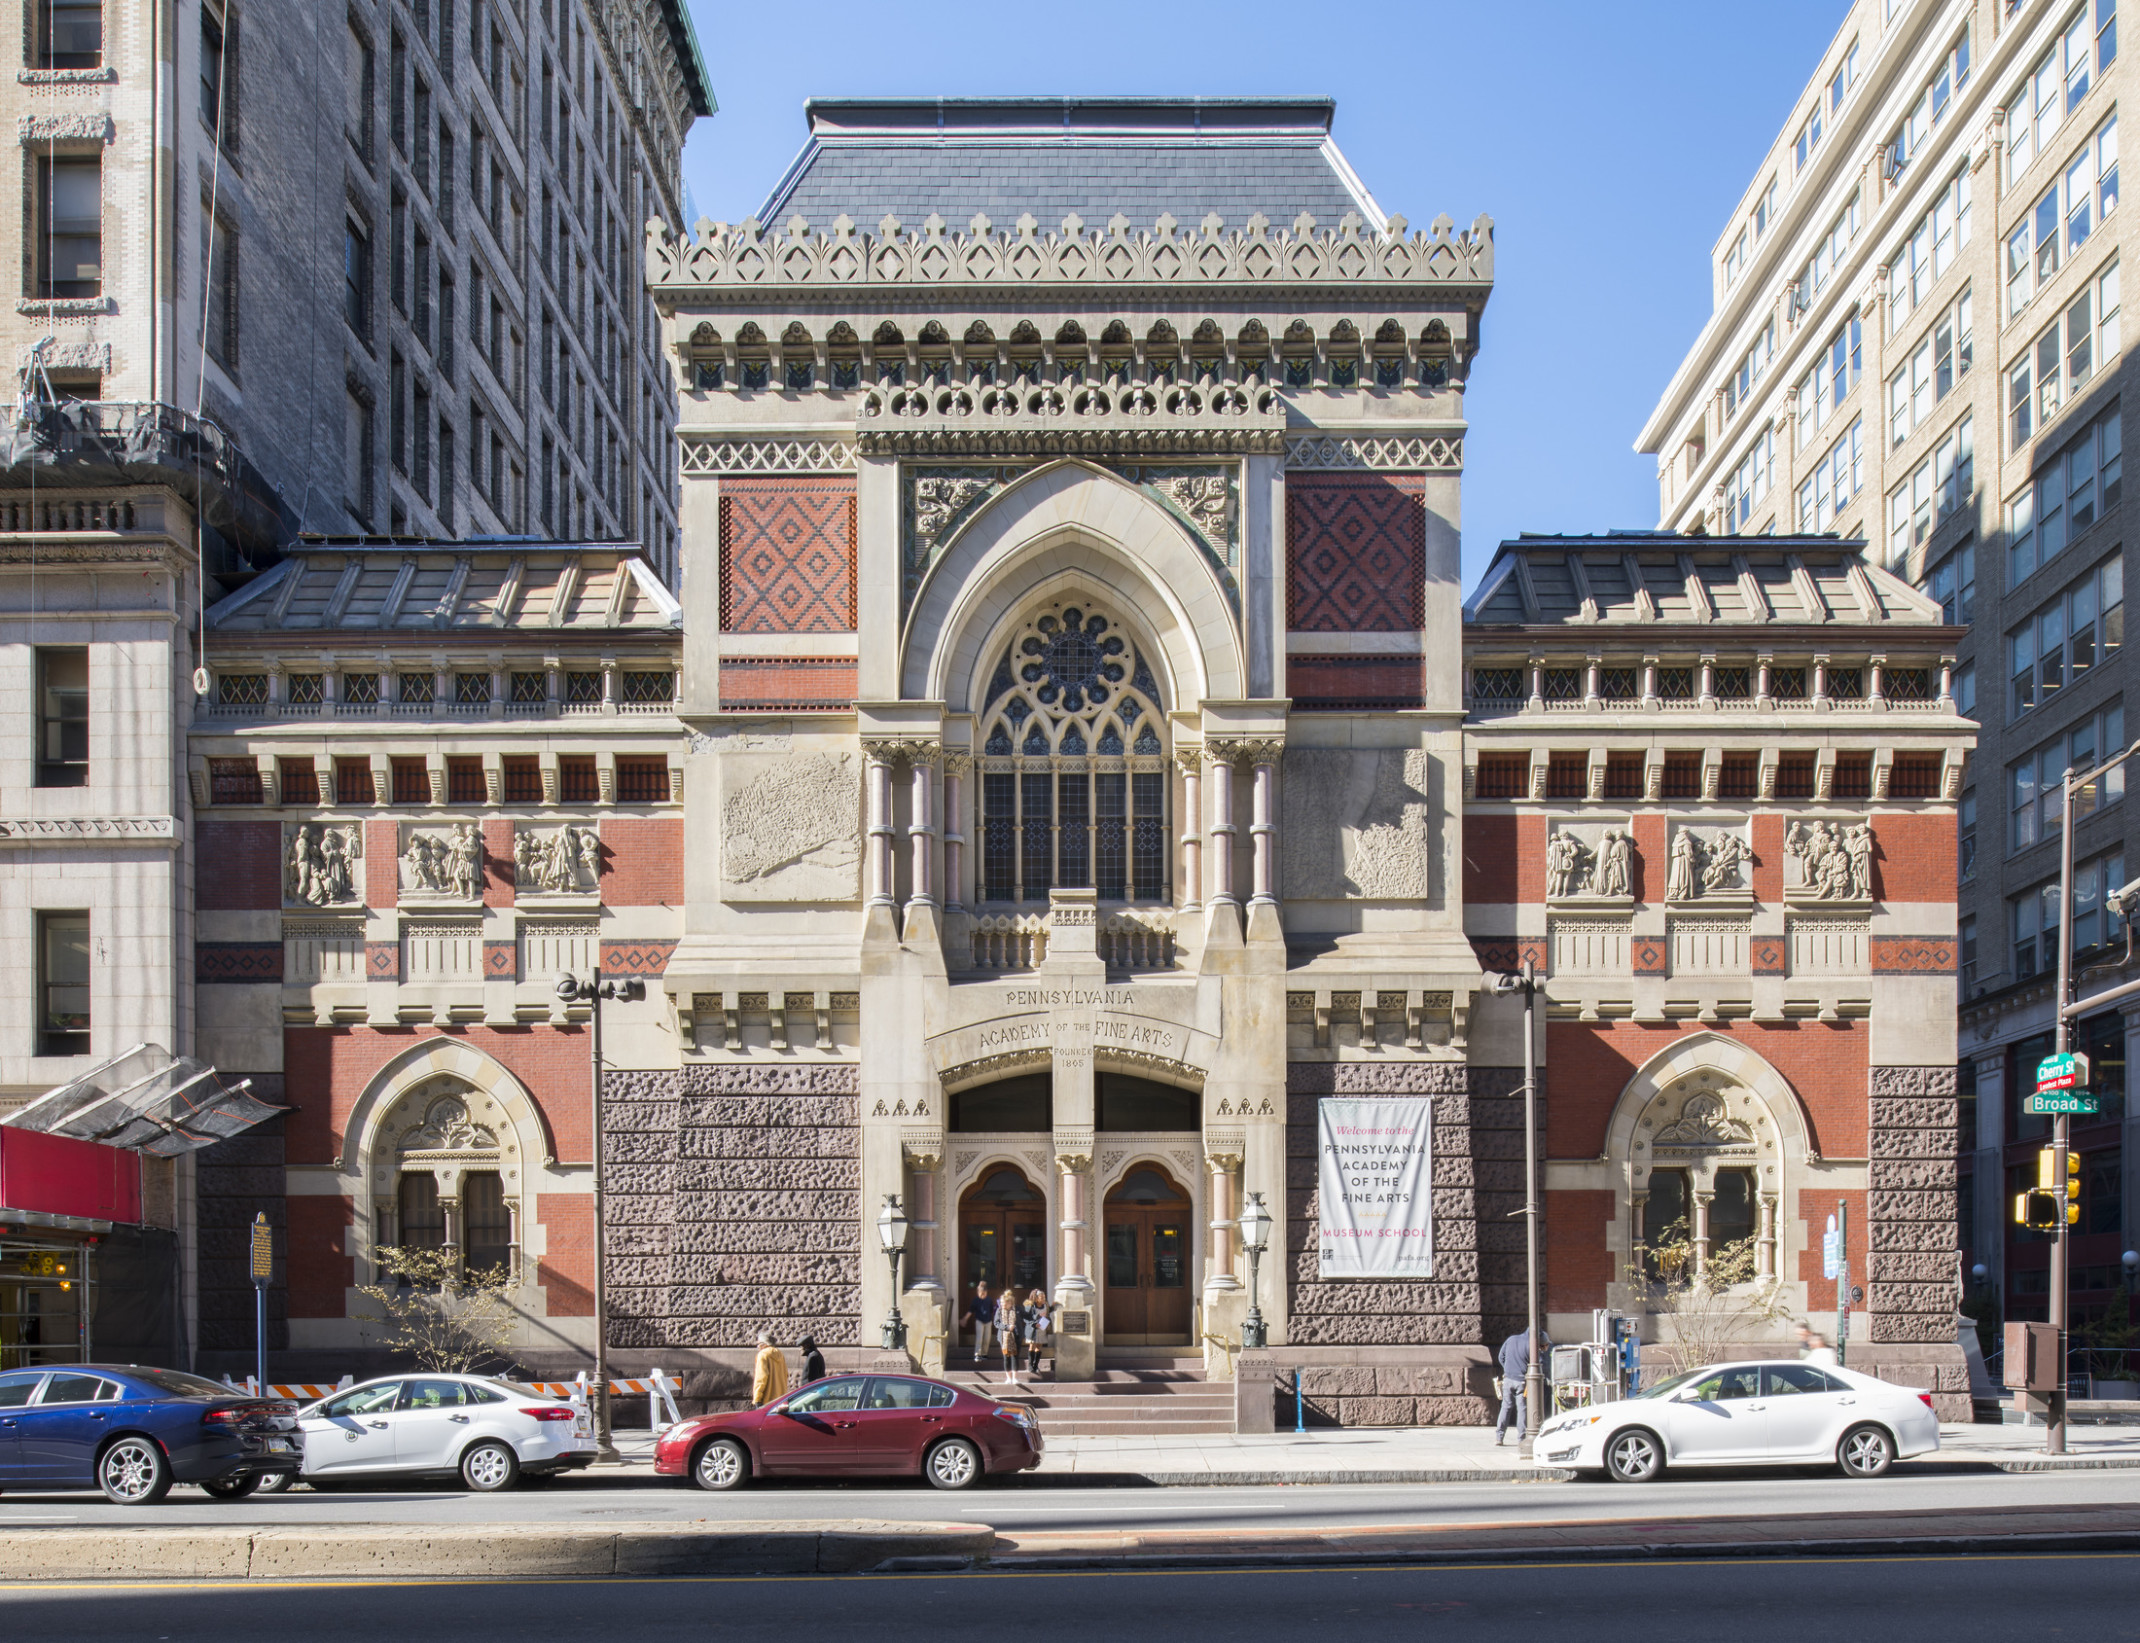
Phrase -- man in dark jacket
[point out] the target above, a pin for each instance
(1515, 1363)
(813, 1361)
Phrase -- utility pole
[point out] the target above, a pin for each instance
(2054, 1437)
(1534, 1377)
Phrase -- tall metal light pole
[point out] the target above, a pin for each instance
(1534, 1376)
(629, 988)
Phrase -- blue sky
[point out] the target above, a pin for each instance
(1607, 142)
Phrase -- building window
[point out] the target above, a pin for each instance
(1623, 775)
(1928, 251)
(1937, 490)
(412, 781)
(464, 781)
(1835, 480)
(1939, 361)
(1739, 776)
(1682, 776)
(1966, 942)
(583, 689)
(416, 689)
(642, 779)
(1835, 373)
(357, 85)
(1752, 366)
(2034, 784)
(2065, 641)
(1749, 481)
(523, 779)
(299, 782)
(1733, 684)
(2053, 89)
(2069, 492)
(1498, 689)
(360, 689)
(1503, 775)
(70, 33)
(1074, 784)
(487, 1224)
(357, 279)
(1965, 690)
(62, 716)
(2083, 196)
(241, 690)
(445, 474)
(353, 782)
(647, 688)
(2096, 925)
(63, 983)
(577, 779)
(528, 689)
(212, 67)
(357, 458)
(421, 1218)
(1828, 254)
(1795, 776)
(2063, 358)
(1965, 835)
(1567, 775)
(471, 690)
(1953, 583)
(70, 250)
(219, 279)
(234, 781)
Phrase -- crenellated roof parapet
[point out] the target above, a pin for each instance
(745, 259)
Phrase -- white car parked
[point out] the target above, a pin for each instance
(485, 1431)
(1746, 1414)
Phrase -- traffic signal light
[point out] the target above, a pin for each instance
(2047, 1181)
(2036, 1209)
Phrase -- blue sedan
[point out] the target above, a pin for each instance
(134, 1432)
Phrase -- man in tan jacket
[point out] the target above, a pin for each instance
(769, 1375)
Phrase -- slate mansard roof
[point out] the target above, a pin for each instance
(407, 587)
(1051, 156)
(1634, 578)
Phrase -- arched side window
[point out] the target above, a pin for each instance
(1073, 775)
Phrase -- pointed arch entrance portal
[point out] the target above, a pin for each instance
(1148, 1258)
(1003, 1236)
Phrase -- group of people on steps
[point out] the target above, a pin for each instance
(1018, 1330)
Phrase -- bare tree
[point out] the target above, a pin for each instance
(448, 1320)
(1712, 1304)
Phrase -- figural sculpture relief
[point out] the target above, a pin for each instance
(448, 865)
(567, 863)
(320, 867)
(1832, 861)
(1603, 868)
(791, 827)
(1712, 865)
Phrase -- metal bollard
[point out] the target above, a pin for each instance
(1300, 1418)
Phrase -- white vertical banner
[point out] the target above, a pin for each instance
(1375, 1178)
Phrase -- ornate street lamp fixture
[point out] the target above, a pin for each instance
(892, 1234)
(1255, 1227)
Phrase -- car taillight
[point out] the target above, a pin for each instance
(548, 1413)
(1925, 1398)
(1015, 1415)
(223, 1417)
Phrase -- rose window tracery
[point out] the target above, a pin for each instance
(1073, 786)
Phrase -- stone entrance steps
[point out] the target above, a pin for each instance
(1159, 1395)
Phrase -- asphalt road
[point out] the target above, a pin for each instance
(1021, 1505)
(1897, 1600)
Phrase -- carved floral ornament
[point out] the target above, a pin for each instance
(447, 1127)
(1702, 1116)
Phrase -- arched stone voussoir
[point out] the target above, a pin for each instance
(419, 1064)
(1070, 525)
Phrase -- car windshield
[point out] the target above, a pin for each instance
(180, 1384)
(1667, 1386)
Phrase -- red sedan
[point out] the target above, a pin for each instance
(855, 1426)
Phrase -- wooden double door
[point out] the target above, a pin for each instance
(1003, 1239)
(1148, 1255)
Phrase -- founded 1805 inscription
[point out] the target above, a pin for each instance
(791, 827)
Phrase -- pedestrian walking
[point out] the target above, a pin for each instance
(813, 1361)
(1515, 1363)
(1037, 1329)
(982, 1310)
(1012, 1322)
(769, 1374)
(1813, 1346)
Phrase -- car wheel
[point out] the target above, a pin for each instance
(490, 1467)
(133, 1472)
(1865, 1452)
(274, 1483)
(232, 1488)
(953, 1464)
(1634, 1456)
(720, 1465)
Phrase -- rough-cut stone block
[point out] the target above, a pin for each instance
(1904, 1175)
(1361, 1296)
(767, 1206)
(1891, 1267)
(639, 1208)
(1888, 1082)
(1413, 1330)
(1927, 1295)
(1462, 1410)
(793, 1112)
(640, 1146)
(1396, 1381)
(652, 1117)
(1377, 1412)
(1337, 1381)
(640, 1179)
(746, 1237)
(1913, 1235)
(1929, 1144)
(768, 1174)
(768, 1141)
(1906, 1326)
(1909, 1204)
(1914, 1113)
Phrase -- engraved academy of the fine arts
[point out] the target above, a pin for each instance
(1086, 763)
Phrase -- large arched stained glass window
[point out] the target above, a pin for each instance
(1073, 773)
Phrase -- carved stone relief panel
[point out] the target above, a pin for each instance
(1357, 824)
(1828, 859)
(791, 827)
(1592, 860)
(442, 863)
(561, 861)
(322, 864)
(1710, 862)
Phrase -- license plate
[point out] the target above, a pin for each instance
(582, 1427)
(281, 1446)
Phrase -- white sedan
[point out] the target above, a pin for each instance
(1746, 1414)
(485, 1431)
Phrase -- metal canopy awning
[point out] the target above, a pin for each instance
(146, 1100)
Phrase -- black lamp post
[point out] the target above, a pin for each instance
(892, 1234)
(1255, 1227)
(571, 989)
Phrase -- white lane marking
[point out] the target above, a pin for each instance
(36, 1517)
(1125, 1511)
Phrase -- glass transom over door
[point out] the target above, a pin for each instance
(1147, 1259)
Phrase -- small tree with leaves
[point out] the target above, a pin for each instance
(1711, 1304)
(427, 1308)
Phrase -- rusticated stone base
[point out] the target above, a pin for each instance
(734, 1200)
(1913, 1239)
(1385, 1386)
(1476, 1294)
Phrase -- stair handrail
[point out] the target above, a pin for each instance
(1230, 1348)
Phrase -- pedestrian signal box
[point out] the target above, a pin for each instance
(2037, 1209)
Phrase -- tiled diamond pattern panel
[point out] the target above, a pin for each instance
(787, 554)
(1356, 552)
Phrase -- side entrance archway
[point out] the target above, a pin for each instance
(1003, 1237)
(1148, 1256)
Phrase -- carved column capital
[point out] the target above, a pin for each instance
(1073, 1163)
(902, 750)
(957, 763)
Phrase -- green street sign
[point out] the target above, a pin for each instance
(2062, 1072)
(2063, 1101)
